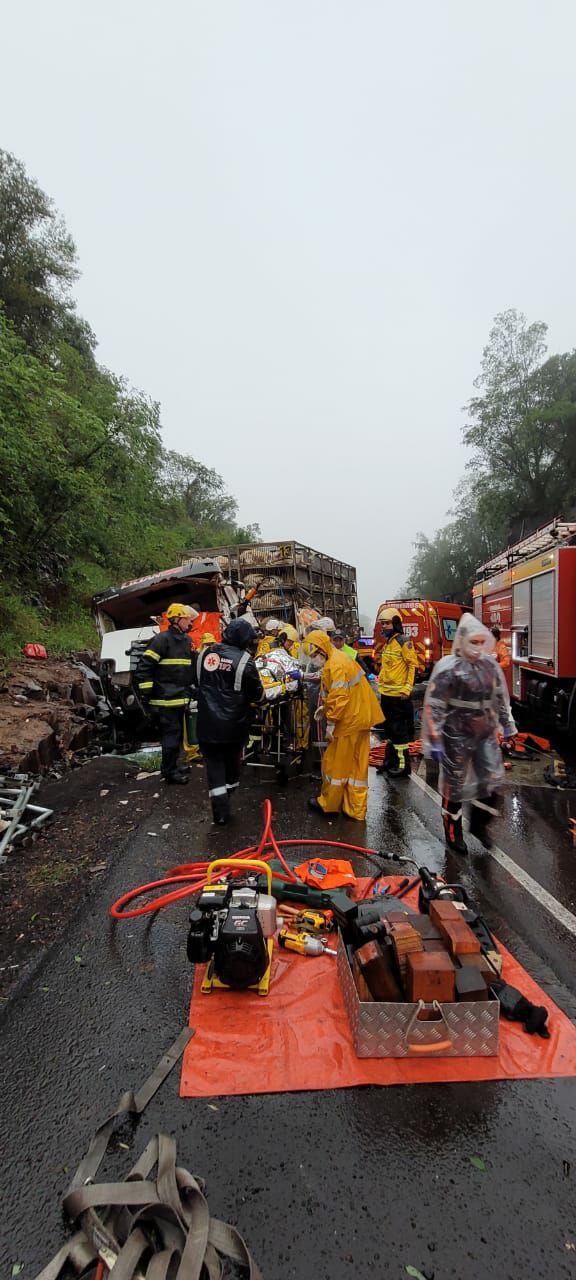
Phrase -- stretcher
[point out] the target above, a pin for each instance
(279, 734)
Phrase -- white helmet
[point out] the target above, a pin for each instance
(325, 624)
(273, 624)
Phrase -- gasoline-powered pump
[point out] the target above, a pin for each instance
(232, 927)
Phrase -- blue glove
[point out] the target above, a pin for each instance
(509, 732)
(437, 753)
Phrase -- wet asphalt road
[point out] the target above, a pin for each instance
(351, 1183)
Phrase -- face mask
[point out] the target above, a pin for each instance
(472, 652)
(318, 661)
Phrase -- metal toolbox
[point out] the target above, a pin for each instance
(462, 1030)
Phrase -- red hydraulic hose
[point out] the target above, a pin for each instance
(192, 876)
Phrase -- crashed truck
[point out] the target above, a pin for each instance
(127, 616)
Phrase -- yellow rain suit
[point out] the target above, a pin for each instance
(395, 682)
(399, 663)
(348, 704)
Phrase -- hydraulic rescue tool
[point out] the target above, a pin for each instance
(434, 889)
(231, 929)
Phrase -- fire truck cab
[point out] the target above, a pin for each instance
(529, 592)
(431, 624)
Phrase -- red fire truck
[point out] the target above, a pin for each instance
(529, 592)
(430, 623)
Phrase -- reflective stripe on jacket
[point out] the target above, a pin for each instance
(399, 662)
(163, 675)
(347, 696)
(228, 685)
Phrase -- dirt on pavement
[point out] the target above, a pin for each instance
(96, 808)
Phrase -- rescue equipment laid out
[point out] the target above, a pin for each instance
(414, 982)
(426, 982)
(231, 929)
(417, 983)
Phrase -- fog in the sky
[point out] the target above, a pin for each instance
(296, 222)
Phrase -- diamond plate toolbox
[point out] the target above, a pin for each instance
(462, 1030)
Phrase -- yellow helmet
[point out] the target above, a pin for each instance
(387, 615)
(175, 611)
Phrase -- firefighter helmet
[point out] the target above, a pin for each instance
(388, 615)
(175, 611)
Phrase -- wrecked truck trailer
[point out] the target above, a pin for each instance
(128, 615)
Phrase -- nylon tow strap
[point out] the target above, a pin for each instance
(156, 1223)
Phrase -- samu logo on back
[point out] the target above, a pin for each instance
(212, 662)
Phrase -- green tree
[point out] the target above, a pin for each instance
(522, 472)
(88, 493)
(197, 490)
(443, 567)
(37, 261)
(522, 427)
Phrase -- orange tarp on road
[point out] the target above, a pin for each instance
(299, 1037)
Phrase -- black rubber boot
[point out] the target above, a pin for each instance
(453, 829)
(403, 768)
(221, 810)
(480, 819)
(390, 760)
(317, 808)
(385, 764)
(176, 779)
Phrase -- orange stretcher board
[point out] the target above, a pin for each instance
(299, 1037)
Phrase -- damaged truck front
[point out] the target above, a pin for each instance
(127, 616)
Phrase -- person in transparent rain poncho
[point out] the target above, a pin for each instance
(466, 704)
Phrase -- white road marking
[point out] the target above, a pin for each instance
(546, 900)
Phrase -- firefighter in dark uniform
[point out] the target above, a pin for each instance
(164, 683)
(228, 686)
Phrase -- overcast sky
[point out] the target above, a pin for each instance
(295, 223)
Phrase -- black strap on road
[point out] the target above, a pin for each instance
(156, 1224)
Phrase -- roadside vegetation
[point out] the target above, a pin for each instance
(89, 495)
(521, 431)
